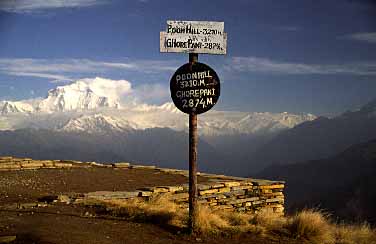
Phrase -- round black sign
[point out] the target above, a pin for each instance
(195, 88)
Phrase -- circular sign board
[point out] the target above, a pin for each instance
(195, 88)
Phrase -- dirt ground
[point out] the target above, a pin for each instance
(71, 224)
(29, 185)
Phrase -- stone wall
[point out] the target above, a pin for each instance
(10, 163)
(224, 193)
(218, 192)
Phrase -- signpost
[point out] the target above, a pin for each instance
(194, 37)
(195, 87)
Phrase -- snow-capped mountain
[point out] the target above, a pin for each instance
(98, 123)
(76, 96)
(94, 106)
(82, 95)
(170, 107)
(15, 107)
(224, 123)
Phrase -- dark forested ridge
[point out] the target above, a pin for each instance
(343, 184)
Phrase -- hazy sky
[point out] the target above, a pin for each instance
(314, 56)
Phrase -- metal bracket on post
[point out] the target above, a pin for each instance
(193, 139)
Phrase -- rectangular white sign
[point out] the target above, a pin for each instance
(194, 37)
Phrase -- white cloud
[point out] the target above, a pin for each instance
(151, 92)
(59, 70)
(28, 6)
(264, 65)
(109, 88)
(145, 66)
(51, 77)
(49, 65)
(66, 70)
(122, 90)
(364, 36)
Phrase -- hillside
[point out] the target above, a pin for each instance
(317, 139)
(343, 184)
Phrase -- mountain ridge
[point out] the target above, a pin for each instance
(318, 139)
(146, 146)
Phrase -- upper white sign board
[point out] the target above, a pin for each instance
(194, 37)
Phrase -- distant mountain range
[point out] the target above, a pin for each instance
(100, 124)
(82, 102)
(344, 184)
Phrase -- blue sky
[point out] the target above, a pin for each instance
(297, 56)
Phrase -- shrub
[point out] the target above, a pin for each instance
(310, 225)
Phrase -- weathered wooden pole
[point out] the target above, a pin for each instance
(193, 139)
(194, 87)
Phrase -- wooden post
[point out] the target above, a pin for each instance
(193, 139)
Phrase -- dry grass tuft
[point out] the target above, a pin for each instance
(166, 213)
(235, 218)
(159, 210)
(269, 220)
(355, 234)
(210, 223)
(225, 223)
(310, 225)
